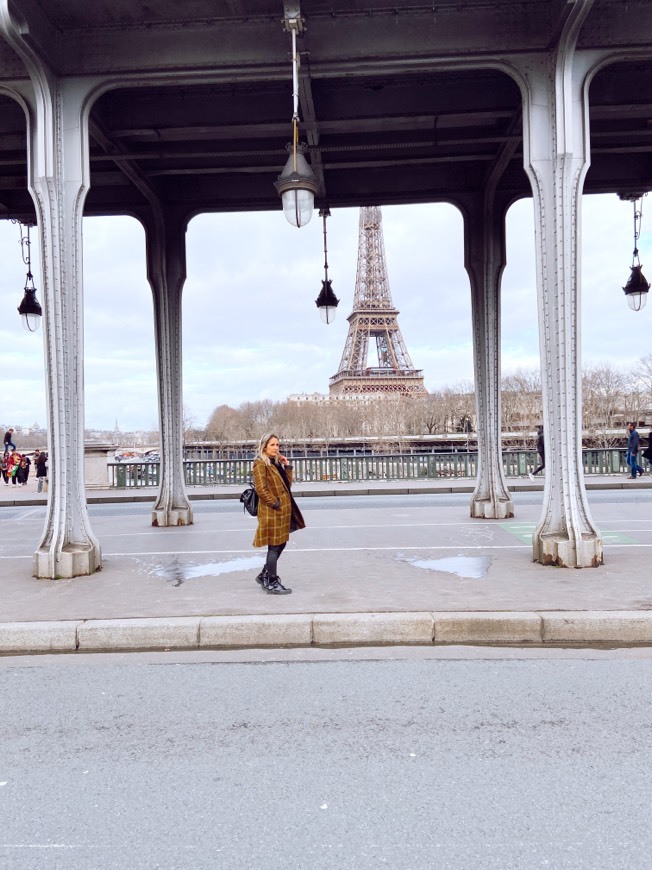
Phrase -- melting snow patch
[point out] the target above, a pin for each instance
(468, 567)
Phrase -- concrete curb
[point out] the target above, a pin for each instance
(497, 628)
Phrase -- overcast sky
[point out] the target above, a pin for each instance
(250, 326)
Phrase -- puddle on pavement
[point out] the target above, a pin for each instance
(467, 567)
(180, 573)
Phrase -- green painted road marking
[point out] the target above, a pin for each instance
(524, 532)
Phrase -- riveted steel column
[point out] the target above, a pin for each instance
(484, 259)
(165, 232)
(58, 182)
(556, 157)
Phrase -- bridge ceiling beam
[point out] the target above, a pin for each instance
(398, 102)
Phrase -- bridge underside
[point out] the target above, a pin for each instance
(397, 105)
(164, 110)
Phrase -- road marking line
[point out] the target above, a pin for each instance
(457, 547)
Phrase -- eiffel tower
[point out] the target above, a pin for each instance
(374, 317)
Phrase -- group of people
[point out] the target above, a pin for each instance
(15, 466)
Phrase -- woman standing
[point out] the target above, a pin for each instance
(278, 513)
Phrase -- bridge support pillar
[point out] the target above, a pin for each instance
(58, 180)
(165, 232)
(556, 158)
(484, 259)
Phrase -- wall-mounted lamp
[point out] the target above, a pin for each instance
(637, 287)
(327, 301)
(296, 184)
(29, 308)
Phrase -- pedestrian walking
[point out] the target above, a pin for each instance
(9, 441)
(647, 453)
(22, 473)
(278, 513)
(541, 450)
(633, 442)
(4, 470)
(41, 465)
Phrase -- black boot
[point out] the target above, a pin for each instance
(275, 587)
(263, 578)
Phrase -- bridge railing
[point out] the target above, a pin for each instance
(429, 466)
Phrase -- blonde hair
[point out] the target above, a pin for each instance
(262, 444)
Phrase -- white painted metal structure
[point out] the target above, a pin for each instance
(147, 108)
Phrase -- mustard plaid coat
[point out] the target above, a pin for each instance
(274, 525)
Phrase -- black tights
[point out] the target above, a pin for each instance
(273, 553)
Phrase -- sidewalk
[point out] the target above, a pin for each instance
(372, 583)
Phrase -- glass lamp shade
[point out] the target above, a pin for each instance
(298, 206)
(297, 189)
(327, 302)
(636, 289)
(327, 313)
(636, 301)
(30, 310)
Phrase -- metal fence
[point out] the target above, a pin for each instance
(433, 466)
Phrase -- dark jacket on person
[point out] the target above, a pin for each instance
(22, 473)
(41, 464)
(633, 441)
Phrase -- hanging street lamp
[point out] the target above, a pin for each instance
(296, 184)
(327, 301)
(637, 287)
(29, 308)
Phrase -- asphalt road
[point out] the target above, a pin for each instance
(417, 500)
(452, 759)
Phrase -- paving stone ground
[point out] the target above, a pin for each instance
(356, 562)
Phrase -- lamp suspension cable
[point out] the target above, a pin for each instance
(295, 98)
(324, 214)
(25, 244)
(638, 218)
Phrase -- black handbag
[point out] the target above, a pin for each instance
(249, 499)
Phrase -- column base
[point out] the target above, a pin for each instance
(74, 560)
(492, 509)
(562, 553)
(173, 517)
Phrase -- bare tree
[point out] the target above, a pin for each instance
(224, 425)
(521, 402)
(643, 371)
(256, 417)
(604, 392)
(609, 397)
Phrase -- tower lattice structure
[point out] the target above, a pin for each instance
(373, 321)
